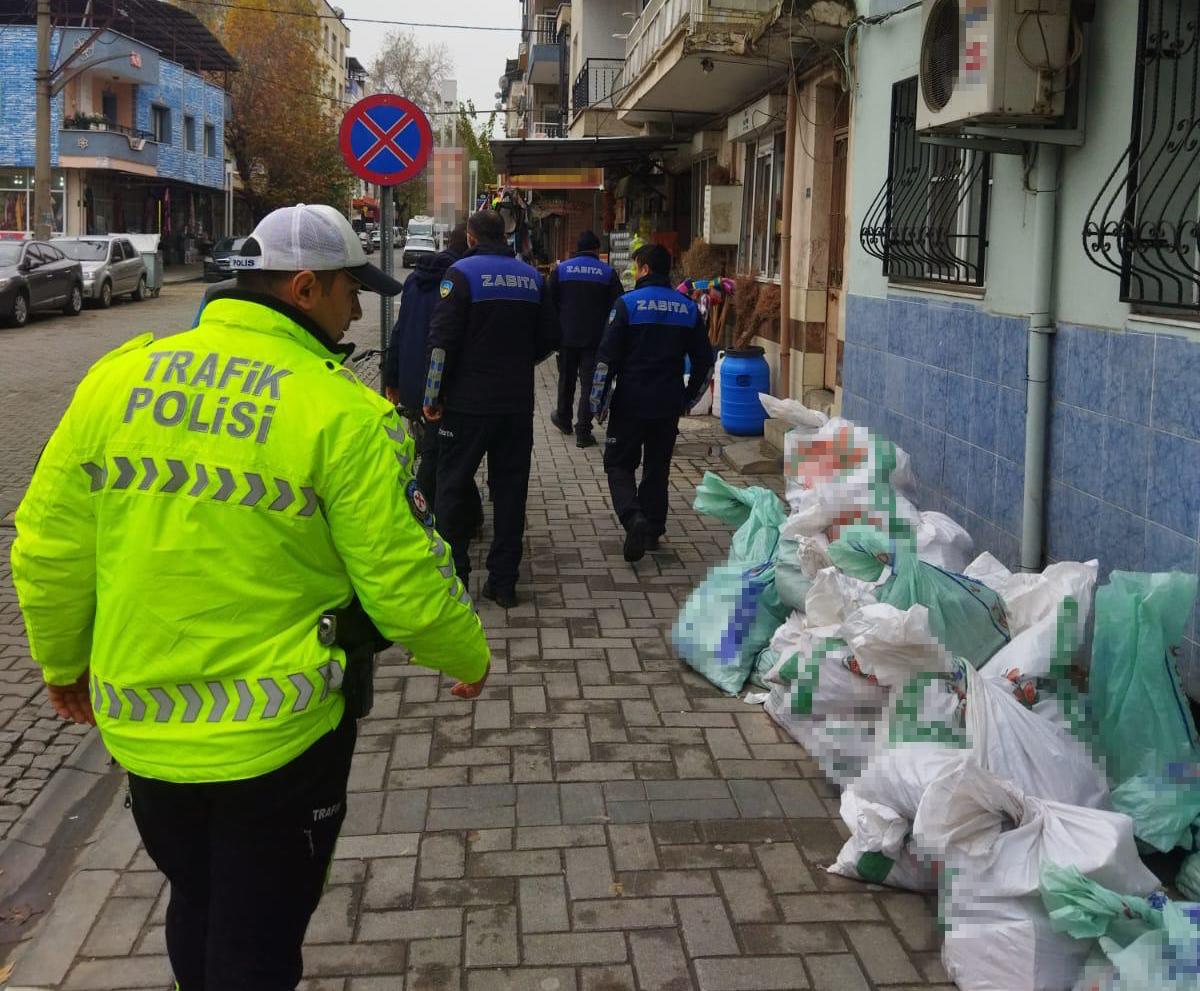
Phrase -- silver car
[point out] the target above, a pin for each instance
(111, 267)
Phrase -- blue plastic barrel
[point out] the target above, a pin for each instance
(744, 374)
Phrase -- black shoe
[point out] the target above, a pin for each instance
(506, 598)
(585, 440)
(636, 537)
(652, 543)
(563, 425)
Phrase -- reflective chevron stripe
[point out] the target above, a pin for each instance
(217, 701)
(276, 495)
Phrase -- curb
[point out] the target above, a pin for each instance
(55, 818)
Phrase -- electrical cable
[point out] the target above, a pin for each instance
(358, 20)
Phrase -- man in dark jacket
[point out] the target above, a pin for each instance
(650, 330)
(489, 331)
(583, 290)
(404, 365)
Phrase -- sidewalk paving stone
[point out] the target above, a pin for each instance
(601, 820)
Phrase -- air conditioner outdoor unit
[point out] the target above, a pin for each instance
(995, 62)
(722, 214)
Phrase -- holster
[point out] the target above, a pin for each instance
(350, 628)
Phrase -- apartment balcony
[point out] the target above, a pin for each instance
(108, 146)
(693, 57)
(595, 84)
(545, 52)
(116, 56)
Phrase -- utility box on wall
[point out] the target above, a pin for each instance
(722, 214)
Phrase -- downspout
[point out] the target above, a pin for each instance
(1041, 330)
(785, 246)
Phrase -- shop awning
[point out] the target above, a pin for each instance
(559, 179)
(365, 201)
(532, 156)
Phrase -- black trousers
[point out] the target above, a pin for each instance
(427, 466)
(247, 862)
(576, 365)
(506, 440)
(631, 441)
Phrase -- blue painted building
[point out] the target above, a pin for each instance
(137, 135)
(941, 289)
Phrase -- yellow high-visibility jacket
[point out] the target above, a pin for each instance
(204, 499)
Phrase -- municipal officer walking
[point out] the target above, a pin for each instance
(216, 536)
(582, 289)
(650, 330)
(489, 331)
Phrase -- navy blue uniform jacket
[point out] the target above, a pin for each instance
(583, 290)
(495, 327)
(649, 331)
(404, 367)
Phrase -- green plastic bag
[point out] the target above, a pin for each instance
(790, 580)
(966, 616)
(1144, 725)
(727, 622)
(1149, 943)
(758, 514)
(731, 617)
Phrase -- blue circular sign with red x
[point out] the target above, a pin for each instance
(385, 139)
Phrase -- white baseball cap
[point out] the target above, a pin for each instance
(311, 238)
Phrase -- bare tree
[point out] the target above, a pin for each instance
(409, 68)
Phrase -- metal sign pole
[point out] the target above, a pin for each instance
(386, 220)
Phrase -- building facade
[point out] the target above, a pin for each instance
(137, 140)
(937, 329)
(334, 44)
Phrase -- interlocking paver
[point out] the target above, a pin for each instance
(602, 820)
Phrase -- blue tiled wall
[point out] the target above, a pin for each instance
(183, 91)
(18, 100)
(947, 382)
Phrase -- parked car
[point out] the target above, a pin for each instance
(112, 266)
(34, 277)
(376, 237)
(364, 238)
(216, 265)
(416, 246)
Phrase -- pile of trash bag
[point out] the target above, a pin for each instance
(945, 695)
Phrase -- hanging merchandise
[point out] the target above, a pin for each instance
(1145, 730)
(966, 616)
(993, 838)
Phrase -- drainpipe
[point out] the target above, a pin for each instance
(1041, 330)
(785, 246)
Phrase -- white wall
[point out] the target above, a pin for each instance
(1085, 294)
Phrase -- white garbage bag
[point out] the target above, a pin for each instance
(879, 809)
(1041, 756)
(1031, 598)
(793, 411)
(994, 838)
(834, 595)
(891, 645)
(943, 542)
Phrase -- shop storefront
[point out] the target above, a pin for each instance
(16, 201)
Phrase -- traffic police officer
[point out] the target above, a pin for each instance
(650, 330)
(205, 499)
(583, 290)
(489, 331)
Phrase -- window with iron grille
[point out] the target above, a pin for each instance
(1143, 225)
(928, 223)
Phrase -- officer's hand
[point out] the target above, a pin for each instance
(463, 690)
(432, 413)
(73, 702)
(392, 395)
